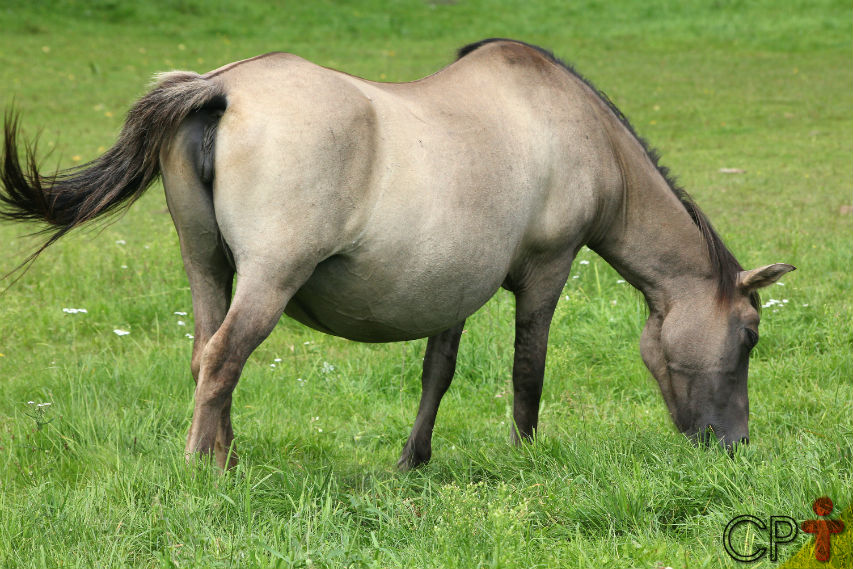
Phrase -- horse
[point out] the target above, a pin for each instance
(382, 212)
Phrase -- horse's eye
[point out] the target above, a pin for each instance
(751, 337)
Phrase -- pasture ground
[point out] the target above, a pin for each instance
(98, 477)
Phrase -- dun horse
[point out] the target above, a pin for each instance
(382, 212)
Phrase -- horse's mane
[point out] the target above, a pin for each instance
(723, 262)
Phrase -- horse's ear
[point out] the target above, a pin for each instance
(761, 277)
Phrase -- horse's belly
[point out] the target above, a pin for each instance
(375, 302)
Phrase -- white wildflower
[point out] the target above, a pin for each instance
(190, 336)
(277, 360)
(584, 262)
(75, 310)
(179, 313)
(181, 323)
(120, 332)
(121, 242)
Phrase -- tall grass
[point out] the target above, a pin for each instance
(98, 478)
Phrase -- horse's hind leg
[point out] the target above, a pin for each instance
(209, 270)
(269, 273)
(211, 278)
(211, 285)
(535, 304)
(439, 366)
(258, 304)
(190, 203)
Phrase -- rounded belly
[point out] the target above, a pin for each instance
(385, 302)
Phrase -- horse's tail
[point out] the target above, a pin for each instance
(111, 182)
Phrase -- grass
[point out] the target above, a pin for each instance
(99, 479)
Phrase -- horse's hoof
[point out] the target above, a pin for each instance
(410, 460)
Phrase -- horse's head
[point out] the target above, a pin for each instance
(698, 350)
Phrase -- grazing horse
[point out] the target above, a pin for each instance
(391, 211)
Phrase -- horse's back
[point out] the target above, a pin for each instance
(414, 201)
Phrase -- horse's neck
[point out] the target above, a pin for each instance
(651, 240)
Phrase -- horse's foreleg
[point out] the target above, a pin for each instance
(439, 366)
(256, 308)
(533, 313)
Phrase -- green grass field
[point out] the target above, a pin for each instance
(98, 477)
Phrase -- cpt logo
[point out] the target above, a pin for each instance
(784, 529)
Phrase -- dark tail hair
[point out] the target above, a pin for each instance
(111, 182)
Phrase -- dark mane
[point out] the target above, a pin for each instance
(724, 264)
